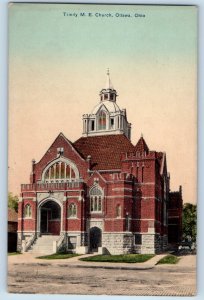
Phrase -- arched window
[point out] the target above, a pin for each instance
(96, 199)
(118, 211)
(27, 211)
(60, 172)
(102, 120)
(72, 210)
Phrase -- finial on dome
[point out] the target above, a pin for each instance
(141, 135)
(108, 81)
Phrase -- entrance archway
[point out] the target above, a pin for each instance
(95, 238)
(50, 218)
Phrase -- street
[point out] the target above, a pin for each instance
(66, 278)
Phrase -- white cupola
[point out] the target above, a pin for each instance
(106, 117)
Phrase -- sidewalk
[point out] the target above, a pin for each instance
(28, 258)
(187, 260)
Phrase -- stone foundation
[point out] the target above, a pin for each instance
(19, 242)
(112, 243)
(150, 244)
(117, 243)
(76, 241)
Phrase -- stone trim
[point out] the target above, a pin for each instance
(122, 189)
(125, 196)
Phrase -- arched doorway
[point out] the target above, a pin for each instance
(50, 218)
(95, 238)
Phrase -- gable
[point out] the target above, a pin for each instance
(102, 108)
(141, 146)
(61, 147)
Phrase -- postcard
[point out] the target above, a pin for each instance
(102, 149)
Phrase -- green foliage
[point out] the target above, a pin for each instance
(13, 202)
(58, 256)
(126, 258)
(189, 221)
(168, 259)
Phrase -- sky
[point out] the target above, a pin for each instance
(57, 67)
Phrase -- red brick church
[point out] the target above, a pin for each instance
(100, 193)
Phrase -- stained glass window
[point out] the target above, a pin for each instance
(102, 121)
(96, 199)
(59, 171)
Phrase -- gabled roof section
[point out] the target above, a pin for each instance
(105, 150)
(109, 106)
(141, 146)
(102, 107)
(61, 137)
(95, 172)
(71, 144)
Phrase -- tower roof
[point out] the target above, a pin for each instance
(141, 146)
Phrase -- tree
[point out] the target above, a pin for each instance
(189, 221)
(13, 202)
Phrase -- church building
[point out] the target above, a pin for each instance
(102, 193)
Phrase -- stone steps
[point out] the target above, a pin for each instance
(44, 244)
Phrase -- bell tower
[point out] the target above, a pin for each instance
(106, 117)
(108, 93)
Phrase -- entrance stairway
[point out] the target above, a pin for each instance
(44, 245)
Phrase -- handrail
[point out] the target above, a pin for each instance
(59, 243)
(27, 244)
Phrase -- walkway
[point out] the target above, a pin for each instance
(30, 258)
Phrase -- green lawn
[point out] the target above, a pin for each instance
(168, 259)
(13, 253)
(58, 256)
(126, 258)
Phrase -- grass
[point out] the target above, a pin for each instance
(168, 259)
(13, 253)
(58, 256)
(126, 258)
